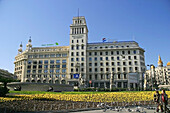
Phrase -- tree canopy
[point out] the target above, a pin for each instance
(6, 76)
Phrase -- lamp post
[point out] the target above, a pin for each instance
(151, 75)
(111, 80)
(52, 66)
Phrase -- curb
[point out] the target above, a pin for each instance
(63, 111)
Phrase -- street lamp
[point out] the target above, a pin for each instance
(151, 75)
(111, 81)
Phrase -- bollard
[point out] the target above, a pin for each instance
(93, 104)
(73, 105)
(34, 107)
(5, 110)
(43, 107)
(86, 105)
(66, 106)
(58, 106)
(51, 107)
(111, 104)
(80, 105)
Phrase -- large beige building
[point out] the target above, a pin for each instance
(157, 75)
(119, 63)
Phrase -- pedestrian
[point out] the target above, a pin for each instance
(156, 99)
(164, 101)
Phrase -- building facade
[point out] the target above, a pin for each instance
(157, 75)
(103, 64)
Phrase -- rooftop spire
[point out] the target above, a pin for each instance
(160, 63)
(29, 39)
(21, 44)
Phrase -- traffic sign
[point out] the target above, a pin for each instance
(76, 76)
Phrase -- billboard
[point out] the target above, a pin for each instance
(133, 77)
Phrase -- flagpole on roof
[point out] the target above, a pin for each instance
(78, 14)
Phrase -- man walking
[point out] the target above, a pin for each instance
(164, 101)
(156, 99)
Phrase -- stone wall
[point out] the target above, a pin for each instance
(39, 86)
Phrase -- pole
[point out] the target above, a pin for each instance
(151, 75)
(52, 74)
(111, 81)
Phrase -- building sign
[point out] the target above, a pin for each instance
(133, 77)
(104, 39)
(76, 76)
(49, 44)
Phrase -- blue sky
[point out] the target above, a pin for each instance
(47, 21)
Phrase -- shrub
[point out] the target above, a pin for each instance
(3, 91)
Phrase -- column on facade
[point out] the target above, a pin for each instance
(122, 84)
(134, 85)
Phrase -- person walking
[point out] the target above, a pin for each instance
(164, 101)
(157, 99)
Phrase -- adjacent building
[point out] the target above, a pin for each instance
(157, 75)
(100, 64)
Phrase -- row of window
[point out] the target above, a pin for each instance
(113, 69)
(45, 76)
(48, 55)
(113, 63)
(112, 58)
(112, 53)
(18, 63)
(18, 68)
(105, 47)
(46, 66)
(77, 47)
(107, 76)
(77, 53)
(77, 30)
(77, 59)
(107, 84)
(47, 71)
(46, 81)
(125, 69)
(46, 61)
(79, 21)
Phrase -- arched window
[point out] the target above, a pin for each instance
(39, 81)
(33, 81)
(27, 81)
(50, 81)
(63, 82)
(57, 82)
(44, 81)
